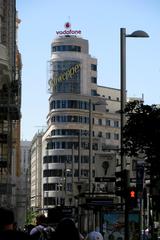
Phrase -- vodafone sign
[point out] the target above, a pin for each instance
(68, 30)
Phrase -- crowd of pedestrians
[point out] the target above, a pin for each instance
(65, 229)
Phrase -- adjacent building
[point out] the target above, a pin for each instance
(23, 185)
(10, 104)
(36, 172)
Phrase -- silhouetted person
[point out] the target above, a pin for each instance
(7, 226)
(66, 229)
(41, 230)
(6, 219)
(94, 235)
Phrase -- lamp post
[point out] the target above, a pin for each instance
(123, 35)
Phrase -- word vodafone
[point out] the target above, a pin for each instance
(68, 32)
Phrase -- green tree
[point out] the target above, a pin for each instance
(141, 134)
(31, 216)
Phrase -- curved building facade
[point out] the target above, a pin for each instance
(81, 120)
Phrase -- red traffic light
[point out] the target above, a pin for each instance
(132, 194)
(132, 197)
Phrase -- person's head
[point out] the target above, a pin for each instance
(6, 219)
(40, 219)
(94, 236)
(66, 229)
(13, 235)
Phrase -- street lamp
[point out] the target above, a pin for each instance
(123, 35)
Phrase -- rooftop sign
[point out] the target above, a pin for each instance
(68, 30)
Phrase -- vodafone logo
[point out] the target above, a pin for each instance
(67, 25)
(68, 30)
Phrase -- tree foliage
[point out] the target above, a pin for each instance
(141, 133)
(31, 216)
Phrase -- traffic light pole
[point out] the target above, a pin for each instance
(122, 189)
(126, 210)
(126, 214)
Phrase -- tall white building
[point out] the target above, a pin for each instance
(78, 151)
(82, 138)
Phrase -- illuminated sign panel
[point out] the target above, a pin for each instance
(69, 73)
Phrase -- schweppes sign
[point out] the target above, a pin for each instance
(69, 73)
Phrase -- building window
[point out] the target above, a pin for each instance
(76, 173)
(99, 134)
(108, 135)
(93, 92)
(52, 173)
(94, 67)
(93, 80)
(116, 123)
(116, 136)
(69, 187)
(108, 122)
(95, 146)
(100, 122)
(84, 173)
(69, 104)
(66, 48)
(57, 159)
(62, 119)
(49, 186)
(49, 201)
(84, 159)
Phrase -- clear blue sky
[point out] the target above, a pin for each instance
(100, 23)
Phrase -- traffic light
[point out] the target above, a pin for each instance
(121, 183)
(132, 197)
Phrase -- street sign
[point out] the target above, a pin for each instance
(105, 179)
